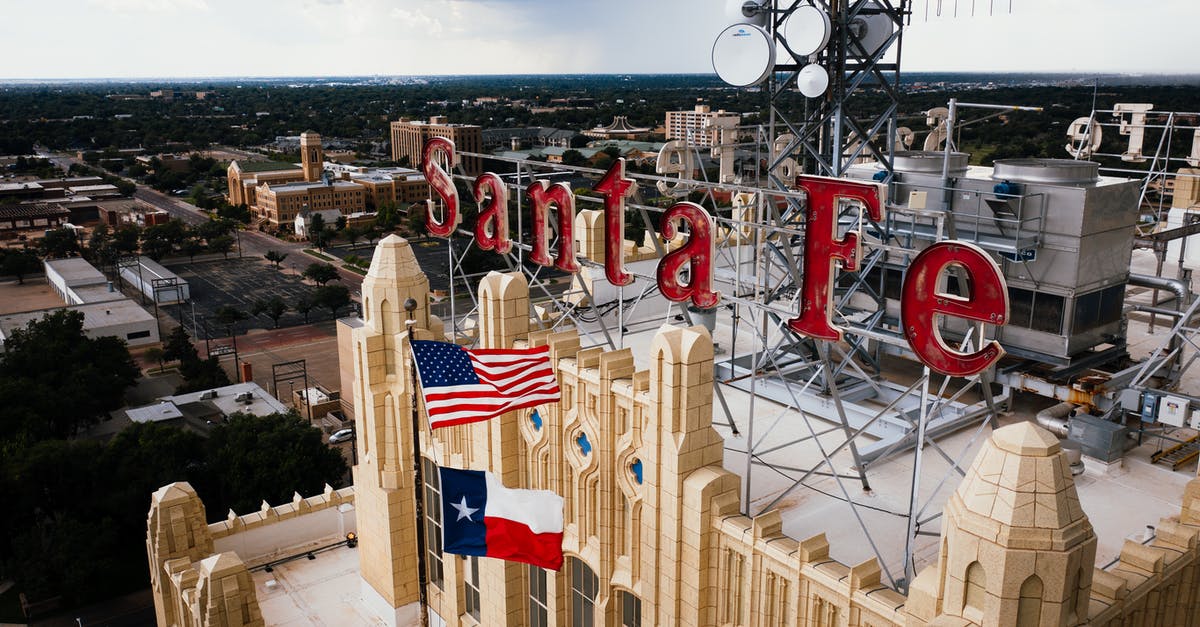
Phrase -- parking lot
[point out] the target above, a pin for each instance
(239, 283)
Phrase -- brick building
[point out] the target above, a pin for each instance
(409, 137)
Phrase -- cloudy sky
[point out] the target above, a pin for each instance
(196, 38)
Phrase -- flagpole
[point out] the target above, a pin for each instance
(410, 306)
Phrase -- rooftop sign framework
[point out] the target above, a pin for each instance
(686, 274)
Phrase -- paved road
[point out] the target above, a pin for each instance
(177, 208)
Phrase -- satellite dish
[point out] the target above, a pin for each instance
(747, 11)
(873, 29)
(807, 30)
(743, 55)
(812, 80)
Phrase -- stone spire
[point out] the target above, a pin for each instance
(1017, 548)
(176, 529)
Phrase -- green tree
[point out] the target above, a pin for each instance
(573, 157)
(125, 239)
(268, 458)
(228, 317)
(353, 234)
(273, 308)
(59, 243)
(221, 244)
(304, 305)
(201, 374)
(387, 218)
(333, 297)
(55, 380)
(321, 273)
(155, 353)
(19, 263)
(275, 257)
(340, 223)
(316, 224)
(155, 244)
(191, 247)
(178, 346)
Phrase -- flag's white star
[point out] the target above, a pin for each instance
(463, 510)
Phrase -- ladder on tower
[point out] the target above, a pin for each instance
(1179, 454)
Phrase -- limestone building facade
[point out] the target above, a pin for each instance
(409, 137)
(653, 530)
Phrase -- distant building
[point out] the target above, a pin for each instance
(15, 219)
(280, 204)
(244, 177)
(409, 137)
(77, 282)
(531, 136)
(279, 193)
(700, 126)
(122, 319)
(200, 409)
(619, 129)
(156, 282)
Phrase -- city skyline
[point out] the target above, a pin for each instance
(197, 38)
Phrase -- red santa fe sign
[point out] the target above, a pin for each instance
(921, 301)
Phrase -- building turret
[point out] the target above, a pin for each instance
(312, 156)
(1017, 548)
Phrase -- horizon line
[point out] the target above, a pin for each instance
(268, 77)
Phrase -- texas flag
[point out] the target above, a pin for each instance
(482, 517)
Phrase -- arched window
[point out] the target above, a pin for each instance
(631, 610)
(1029, 610)
(975, 595)
(584, 587)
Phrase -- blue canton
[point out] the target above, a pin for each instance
(442, 364)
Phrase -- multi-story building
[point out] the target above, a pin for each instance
(654, 527)
(244, 177)
(278, 192)
(409, 137)
(701, 126)
(280, 204)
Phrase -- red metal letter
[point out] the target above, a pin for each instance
(921, 302)
(441, 183)
(821, 248)
(697, 254)
(494, 215)
(615, 188)
(541, 196)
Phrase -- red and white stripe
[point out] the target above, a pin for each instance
(509, 379)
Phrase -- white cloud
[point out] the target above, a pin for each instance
(418, 20)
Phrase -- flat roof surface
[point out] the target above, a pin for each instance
(324, 591)
(154, 413)
(261, 405)
(97, 294)
(264, 166)
(95, 315)
(75, 271)
(285, 187)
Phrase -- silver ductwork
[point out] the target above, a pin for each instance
(1055, 418)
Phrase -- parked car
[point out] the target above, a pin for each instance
(341, 436)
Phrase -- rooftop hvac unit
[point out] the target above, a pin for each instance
(244, 397)
(208, 395)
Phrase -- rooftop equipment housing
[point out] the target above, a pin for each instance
(1062, 234)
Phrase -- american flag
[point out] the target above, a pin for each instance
(461, 386)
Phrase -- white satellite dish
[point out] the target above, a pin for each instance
(747, 11)
(873, 29)
(743, 55)
(807, 30)
(812, 80)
